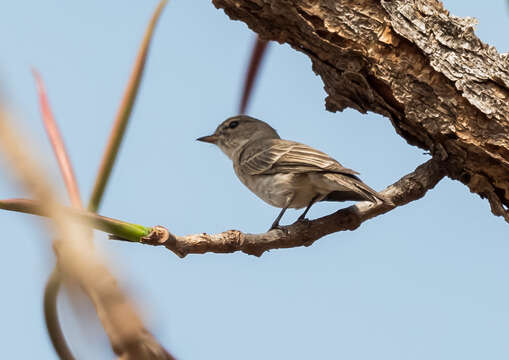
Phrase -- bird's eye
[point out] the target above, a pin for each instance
(233, 124)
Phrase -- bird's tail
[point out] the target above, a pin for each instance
(370, 194)
(352, 188)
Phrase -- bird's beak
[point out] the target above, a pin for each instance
(210, 139)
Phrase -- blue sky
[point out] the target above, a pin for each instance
(428, 280)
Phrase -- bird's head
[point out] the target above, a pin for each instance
(238, 130)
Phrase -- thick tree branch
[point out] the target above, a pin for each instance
(409, 188)
(410, 60)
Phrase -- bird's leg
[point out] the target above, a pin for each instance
(275, 224)
(303, 216)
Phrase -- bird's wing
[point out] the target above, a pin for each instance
(282, 156)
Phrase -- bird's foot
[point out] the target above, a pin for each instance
(302, 220)
(276, 226)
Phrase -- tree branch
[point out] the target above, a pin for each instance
(409, 188)
(410, 60)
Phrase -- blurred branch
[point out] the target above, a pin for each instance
(52, 287)
(257, 54)
(123, 114)
(77, 257)
(53, 283)
(51, 317)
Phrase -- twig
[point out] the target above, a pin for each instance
(257, 54)
(126, 231)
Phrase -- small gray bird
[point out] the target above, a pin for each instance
(283, 173)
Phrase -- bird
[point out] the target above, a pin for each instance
(284, 173)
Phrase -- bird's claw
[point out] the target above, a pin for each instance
(302, 220)
(278, 227)
(275, 227)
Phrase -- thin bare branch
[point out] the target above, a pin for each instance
(409, 188)
(257, 54)
(123, 114)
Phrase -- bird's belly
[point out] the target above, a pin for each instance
(278, 189)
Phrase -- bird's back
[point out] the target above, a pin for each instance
(273, 168)
(270, 156)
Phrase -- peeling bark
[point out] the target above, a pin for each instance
(411, 61)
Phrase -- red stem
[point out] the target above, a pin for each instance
(57, 142)
(257, 54)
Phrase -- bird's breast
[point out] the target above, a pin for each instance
(277, 189)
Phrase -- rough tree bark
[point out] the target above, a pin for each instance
(410, 60)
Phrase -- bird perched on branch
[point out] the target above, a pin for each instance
(286, 174)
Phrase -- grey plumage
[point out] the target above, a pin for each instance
(283, 173)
